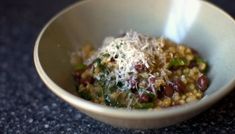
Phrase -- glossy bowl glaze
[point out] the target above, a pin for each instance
(198, 24)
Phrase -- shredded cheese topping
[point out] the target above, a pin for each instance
(131, 49)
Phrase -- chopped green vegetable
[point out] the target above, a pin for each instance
(108, 101)
(117, 46)
(103, 68)
(85, 94)
(201, 64)
(97, 61)
(199, 60)
(144, 105)
(106, 55)
(112, 78)
(111, 102)
(112, 88)
(144, 75)
(152, 96)
(80, 66)
(119, 84)
(177, 62)
(130, 73)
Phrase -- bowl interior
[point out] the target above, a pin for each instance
(197, 24)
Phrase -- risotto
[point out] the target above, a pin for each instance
(136, 71)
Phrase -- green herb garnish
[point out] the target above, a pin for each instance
(110, 102)
(117, 46)
(199, 60)
(86, 95)
(112, 88)
(144, 105)
(80, 66)
(106, 55)
(177, 62)
(201, 64)
(119, 84)
(130, 73)
(97, 61)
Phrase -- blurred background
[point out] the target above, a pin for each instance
(27, 106)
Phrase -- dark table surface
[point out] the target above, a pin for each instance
(27, 106)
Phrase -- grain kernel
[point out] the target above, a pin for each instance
(199, 95)
(85, 74)
(189, 94)
(191, 99)
(167, 102)
(186, 71)
(176, 96)
(182, 102)
(183, 97)
(192, 87)
(189, 57)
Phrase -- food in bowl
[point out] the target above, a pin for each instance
(136, 71)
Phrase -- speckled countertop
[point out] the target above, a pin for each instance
(27, 106)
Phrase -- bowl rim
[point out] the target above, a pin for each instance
(119, 112)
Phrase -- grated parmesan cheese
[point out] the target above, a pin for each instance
(131, 49)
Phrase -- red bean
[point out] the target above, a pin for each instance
(194, 52)
(133, 83)
(89, 80)
(178, 86)
(77, 76)
(144, 98)
(152, 80)
(139, 67)
(168, 91)
(192, 64)
(203, 83)
(160, 92)
(90, 66)
(134, 90)
(151, 89)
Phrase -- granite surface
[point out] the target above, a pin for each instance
(27, 106)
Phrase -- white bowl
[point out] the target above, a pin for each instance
(199, 24)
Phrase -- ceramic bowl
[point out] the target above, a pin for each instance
(196, 23)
